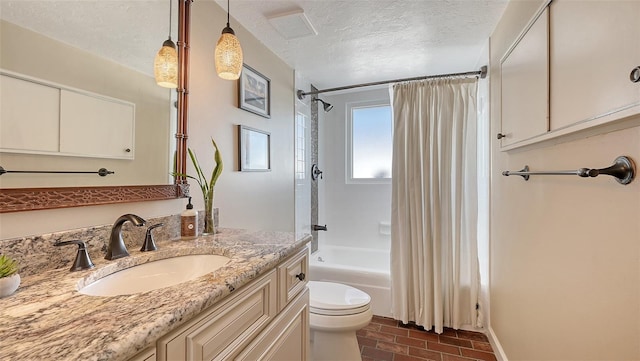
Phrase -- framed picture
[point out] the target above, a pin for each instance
(255, 150)
(254, 92)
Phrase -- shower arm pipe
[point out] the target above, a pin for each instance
(482, 73)
(623, 170)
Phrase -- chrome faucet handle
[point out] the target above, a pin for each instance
(82, 261)
(149, 244)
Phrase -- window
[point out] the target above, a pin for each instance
(300, 150)
(369, 142)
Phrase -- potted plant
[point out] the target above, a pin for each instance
(9, 277)
(206, 185)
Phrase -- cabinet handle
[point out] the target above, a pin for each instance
(301, 276)
(500, 136)
(635, 75)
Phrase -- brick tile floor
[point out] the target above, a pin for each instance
(386, 339)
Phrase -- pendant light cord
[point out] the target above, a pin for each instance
(228, 13)
(170, 12)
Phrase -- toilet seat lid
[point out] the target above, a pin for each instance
(328, 298)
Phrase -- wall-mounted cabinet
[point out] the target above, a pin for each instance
(570, 70)
(29, 116)
(525, 84)
(95, 126)
(38, 117)
(594, 47)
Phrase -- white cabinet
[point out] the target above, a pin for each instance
(594, 47)
(40, 117)
(28, 116)
(525, 84)
(95, 126)
(570, 71)
(268, 319)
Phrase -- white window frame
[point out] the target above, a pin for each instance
(349, 141)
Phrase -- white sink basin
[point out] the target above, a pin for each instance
(154, 275)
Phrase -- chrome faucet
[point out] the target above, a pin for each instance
(116, 248)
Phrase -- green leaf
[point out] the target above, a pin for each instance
(219, 166)
(205, 185)
(8, 266)
(196, 165)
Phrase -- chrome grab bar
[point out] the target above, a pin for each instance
(623, 170)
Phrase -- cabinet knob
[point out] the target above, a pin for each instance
(500, 136)
(301, 276)
(128, 150)
(635, 75)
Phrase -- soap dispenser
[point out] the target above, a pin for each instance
(189, 222)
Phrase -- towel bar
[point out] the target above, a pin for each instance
(103, 172)
(623, 170)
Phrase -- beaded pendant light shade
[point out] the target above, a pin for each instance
(228, 53)
(165, 65)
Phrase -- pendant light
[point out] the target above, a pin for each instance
(165, 66)
(228, 54)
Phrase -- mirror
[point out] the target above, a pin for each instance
(107, 48)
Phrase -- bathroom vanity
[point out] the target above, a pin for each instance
(267, 319)
(253, 308)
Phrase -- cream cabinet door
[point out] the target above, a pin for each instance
(525, 84)
(286, 338)
(29, 116)
(95, 126)
(594, 47)
(223, 331)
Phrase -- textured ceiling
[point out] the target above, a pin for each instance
(127, 32)
(365, 41)
(357, 41)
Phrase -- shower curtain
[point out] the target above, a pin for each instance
(434, 263)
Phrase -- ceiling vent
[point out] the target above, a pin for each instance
(292, 24)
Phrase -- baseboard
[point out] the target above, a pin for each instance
(497, 348)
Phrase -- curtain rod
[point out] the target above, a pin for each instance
(482, 73)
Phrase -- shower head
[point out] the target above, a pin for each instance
(327, 107)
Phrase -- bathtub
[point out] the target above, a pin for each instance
(365, 269)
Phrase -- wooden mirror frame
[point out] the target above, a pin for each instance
(30, 199)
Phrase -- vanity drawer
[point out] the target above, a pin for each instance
(293, 276)
(227, 328)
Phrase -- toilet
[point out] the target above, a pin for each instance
(336, 311)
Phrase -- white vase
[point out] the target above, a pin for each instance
(8, 285)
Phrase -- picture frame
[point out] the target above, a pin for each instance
(254, 92)
(254, 150)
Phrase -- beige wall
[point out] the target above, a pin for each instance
(246, 200)
(565, 251)
(255, 200)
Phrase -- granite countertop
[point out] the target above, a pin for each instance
(48, 319)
